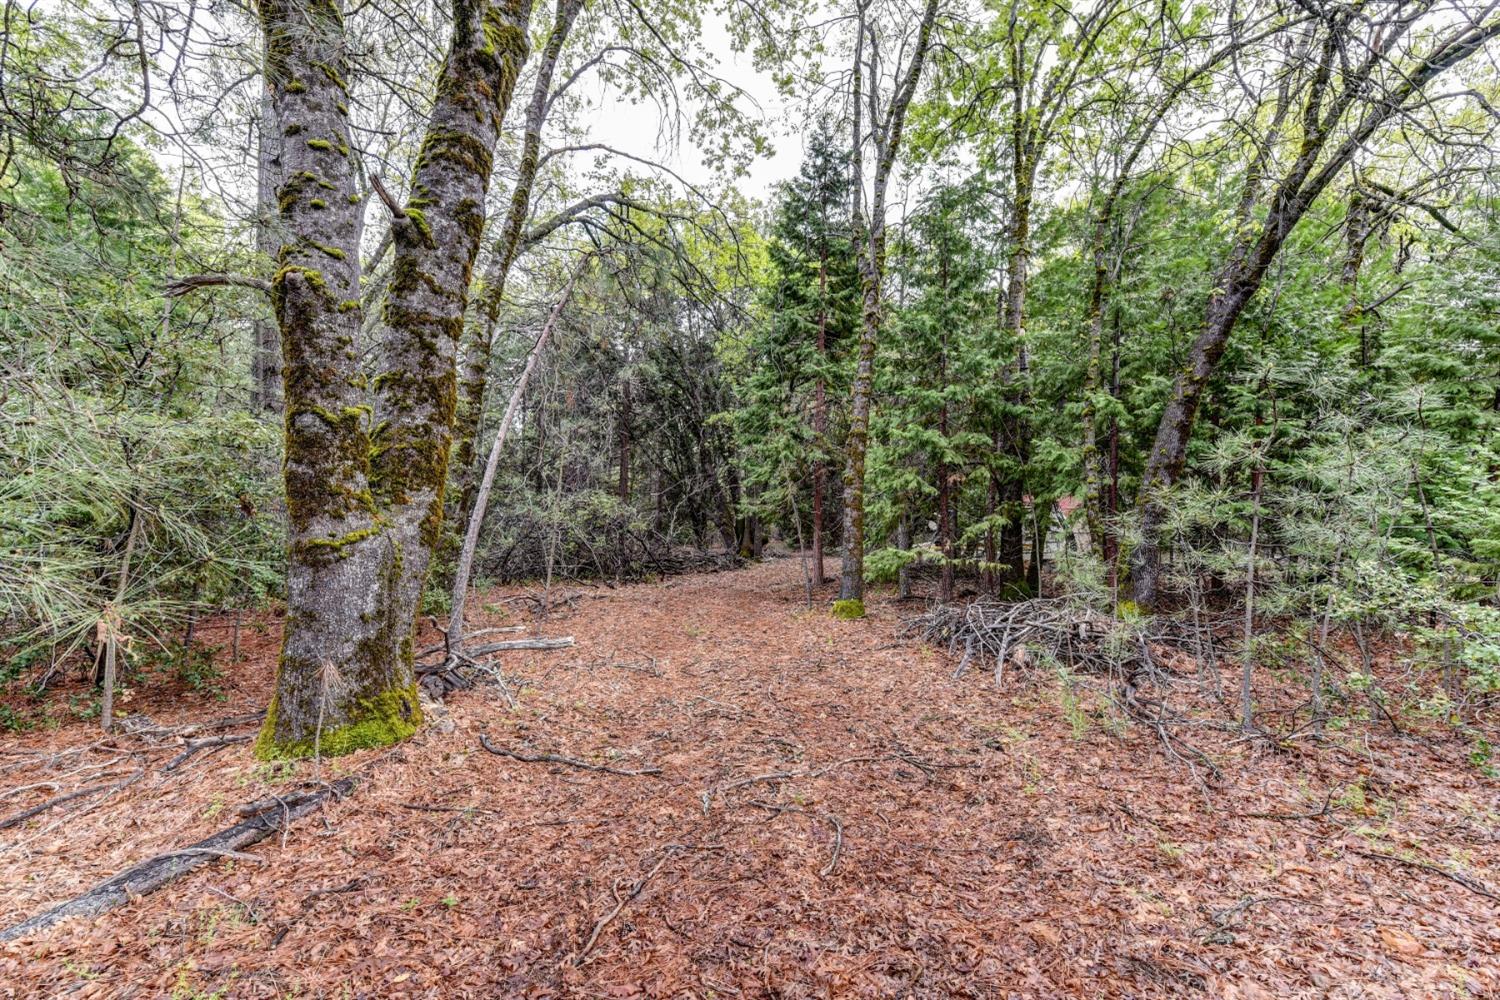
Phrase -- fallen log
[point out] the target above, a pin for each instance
(155, 872)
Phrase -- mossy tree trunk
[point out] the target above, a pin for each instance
(365, 505)
(869, 240)
(489, 292)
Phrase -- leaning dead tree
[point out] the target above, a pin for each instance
(482, 496)
(1348, 72)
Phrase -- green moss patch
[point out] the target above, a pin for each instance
(379, 720)
(849, 610)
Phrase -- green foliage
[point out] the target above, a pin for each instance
(116, 416)
(797, 351)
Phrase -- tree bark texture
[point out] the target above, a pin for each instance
(489, 291)
(869, 241)
(365, 505)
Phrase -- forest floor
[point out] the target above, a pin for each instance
(835, 816)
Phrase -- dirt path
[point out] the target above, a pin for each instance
(835, 816)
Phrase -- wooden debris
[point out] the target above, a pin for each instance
(553, 758)
(155, 872)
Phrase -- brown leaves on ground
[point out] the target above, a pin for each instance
(835, 816)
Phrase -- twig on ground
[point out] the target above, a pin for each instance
(419, 807)
(1324, 810)
(1467, 881)
(52, 803)
(194, 746)
(52, 785)
(581, 957)
(188, 852)
(838, 845)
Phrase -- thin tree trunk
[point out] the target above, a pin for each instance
(1247, 655)
(945, 520)
(903, 542)
(869, 240)
(111, 621)
(624, 483)
(265, 362)
(820, 425)
(465, 566)
(1041, 526)
(490, 291)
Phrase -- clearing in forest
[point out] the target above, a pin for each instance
(834, 815)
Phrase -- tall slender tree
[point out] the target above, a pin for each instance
(1346, 74)
(879, 121)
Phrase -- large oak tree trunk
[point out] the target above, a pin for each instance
(366, 505)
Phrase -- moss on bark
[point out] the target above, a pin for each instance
(377, 720)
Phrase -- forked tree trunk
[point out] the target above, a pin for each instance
(869, 239)
(1350, 110)
(366, 507)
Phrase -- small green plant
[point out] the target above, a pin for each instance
(185, 990)
(1072, 705)
(274, 772)
(1482, 757)
(14, 722)
(450, 901)
(1353, 798)
(78, 969)
(84, 707)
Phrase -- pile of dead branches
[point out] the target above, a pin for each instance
(441, 668)
(1060, 631)
(1026, 634)
(1141, 659)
